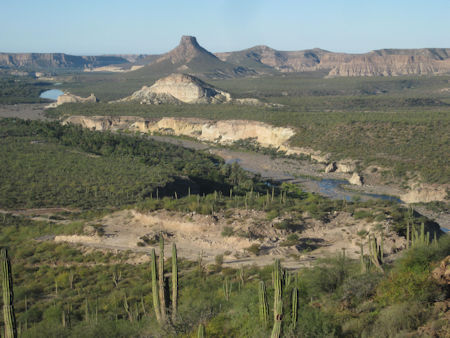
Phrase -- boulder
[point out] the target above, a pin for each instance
(331, 167)
(346, 167)
(356, 179)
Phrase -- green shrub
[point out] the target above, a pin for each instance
(254, 249)
(392, 320)
(227, 231)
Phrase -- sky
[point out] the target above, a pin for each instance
(153, 27)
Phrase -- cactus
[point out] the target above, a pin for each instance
(241, 276)
(227, 286)
(376, 252)
(420, 238)
(263, 306)
(407, 234)
(276, 331)
(156, 304)
(127, 309)
(277, 285)
(8, 296)
(362, 261)
(435, 241)
(201, 331)
(287, 278)
(294, 307)
(162, 298)
(278, 302)
(174, 282)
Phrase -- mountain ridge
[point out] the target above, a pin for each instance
(190, 57)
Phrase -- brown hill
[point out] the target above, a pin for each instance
(189, 57)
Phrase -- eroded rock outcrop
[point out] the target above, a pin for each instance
(425, 194)
(71, 98)
(356, 179)
(184, 88)
(179, 88)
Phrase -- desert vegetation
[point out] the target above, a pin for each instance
(67, 290)
(61, 290)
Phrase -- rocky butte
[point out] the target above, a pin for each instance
(177, 88)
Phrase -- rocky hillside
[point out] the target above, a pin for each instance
(177, 88)
(51, 61)
(385, 62)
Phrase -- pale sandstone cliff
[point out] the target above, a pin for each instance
(71, 98)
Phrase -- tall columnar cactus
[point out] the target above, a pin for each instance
(421, 238)
(277, 284)
(8, 296)
(362, 261)
(294, 307)
(174, 282)
(201, 331)
(162, 298)
(263, 306)
(376, 252)
(276, 331)
(408, 234)
(227, 286)
(278, 302)
(156, 304)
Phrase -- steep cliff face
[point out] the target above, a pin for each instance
(373, 64)
(385, 62)
(56, 60)
(223, 132)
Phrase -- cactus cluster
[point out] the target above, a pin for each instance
(376, 252)
(227, 287)
(160, 285)
(420, 238)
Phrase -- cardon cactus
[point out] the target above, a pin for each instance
(276, 331)
(294, 307)
(174, 282)
(263, 306)
(8, 296)
(156, 304)
(162, 298)
(278, 302)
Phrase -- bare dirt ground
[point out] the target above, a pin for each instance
(200, 235)
(23, 111)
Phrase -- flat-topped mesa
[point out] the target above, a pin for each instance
(177, 88)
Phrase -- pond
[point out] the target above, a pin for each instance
(51, 94)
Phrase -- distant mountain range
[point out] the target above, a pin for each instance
(189, 57)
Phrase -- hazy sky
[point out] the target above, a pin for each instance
(153, 27)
